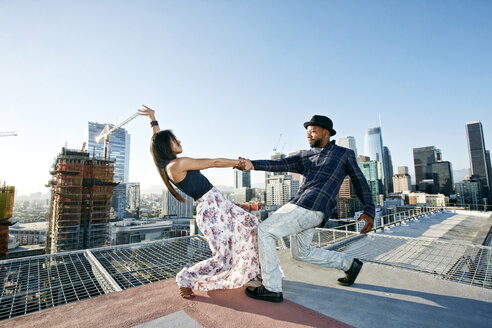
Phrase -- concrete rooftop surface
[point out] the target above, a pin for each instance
(403, 283)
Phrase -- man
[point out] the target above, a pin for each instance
(324, 167)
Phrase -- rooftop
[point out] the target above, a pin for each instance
(429, 270)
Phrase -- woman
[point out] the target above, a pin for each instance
(229, 230)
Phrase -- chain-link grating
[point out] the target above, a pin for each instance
(44, 282)
(459, 262)
(143, 264)
(41, 282)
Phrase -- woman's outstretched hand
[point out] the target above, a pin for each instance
(147, 111)
(243, 164)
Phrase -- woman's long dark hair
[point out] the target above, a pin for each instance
(160, 147)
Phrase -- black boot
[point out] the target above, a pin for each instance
(351, 274)
(261, 293)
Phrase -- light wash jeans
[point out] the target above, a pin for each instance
(299, 222)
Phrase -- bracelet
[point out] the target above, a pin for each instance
(153, 123)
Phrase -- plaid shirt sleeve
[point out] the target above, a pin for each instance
(360, 184)
(289, 164)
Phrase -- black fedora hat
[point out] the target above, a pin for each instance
(322, 121)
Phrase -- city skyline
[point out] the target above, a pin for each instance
(228, 78)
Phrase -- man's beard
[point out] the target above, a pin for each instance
(316, 143)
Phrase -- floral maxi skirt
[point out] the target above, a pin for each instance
(231, 233)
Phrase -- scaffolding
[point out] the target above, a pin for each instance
(6, 201)
(81, 189)
(6, 207)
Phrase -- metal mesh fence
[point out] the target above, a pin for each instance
(44, 282)
(459, 262)
(142, 264)
(41, 282)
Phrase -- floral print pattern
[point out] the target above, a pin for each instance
(231, 233)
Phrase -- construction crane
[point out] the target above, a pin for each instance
(106, 132)
(278, 141)
(8, 134)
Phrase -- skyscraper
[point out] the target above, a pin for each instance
(242, 179)
(489, 169)
(432, 174)
(374, 175)
(442, 173)
(348, 142)
(477, 153)
(373, 147)
(119, 143)
(388, 169)
(423, 158)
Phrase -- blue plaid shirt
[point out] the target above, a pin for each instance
(324, 170)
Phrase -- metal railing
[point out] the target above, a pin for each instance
(450, 259)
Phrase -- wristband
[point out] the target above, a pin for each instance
(153, 123)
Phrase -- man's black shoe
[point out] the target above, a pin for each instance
(351, 274)
(261, 293)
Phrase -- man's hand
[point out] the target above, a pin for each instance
(369, 223)
(244, 164)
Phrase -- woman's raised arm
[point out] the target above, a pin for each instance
(150, 113)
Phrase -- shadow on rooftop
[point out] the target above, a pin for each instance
(287, 312)
(364, 305)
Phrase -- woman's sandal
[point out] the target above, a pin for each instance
(186, 292)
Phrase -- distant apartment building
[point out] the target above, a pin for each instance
(243, 195)
(348, 202)
(401, 180)
(173, 207)
(132, 204)
(280, 189)
(126, 200)
(81, 189)
(30, 233)
(275, 156)
(348, 142)
(131, 231)
(424, 199)
(242, 187)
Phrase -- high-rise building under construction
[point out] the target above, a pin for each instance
(81, 189)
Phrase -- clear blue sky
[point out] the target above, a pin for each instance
(229, 76)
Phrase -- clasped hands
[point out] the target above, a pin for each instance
(244, 164)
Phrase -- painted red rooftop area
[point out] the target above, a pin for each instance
(223, 308)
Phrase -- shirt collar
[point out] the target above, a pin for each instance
(327, 147)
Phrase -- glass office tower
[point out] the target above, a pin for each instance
(119, 143)
(478, 153)
(373, 147)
